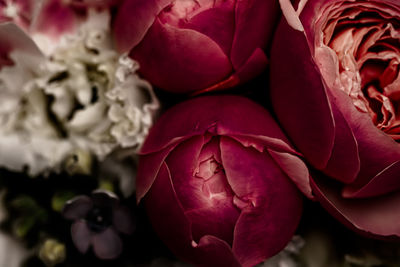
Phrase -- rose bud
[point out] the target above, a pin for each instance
(336, 94)
(214, 174)
(188, 45)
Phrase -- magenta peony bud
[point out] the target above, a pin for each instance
(336, 93)
(196, 45)
(214, 174)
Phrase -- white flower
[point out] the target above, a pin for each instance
(79, 94)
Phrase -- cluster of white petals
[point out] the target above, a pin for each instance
(82, 96)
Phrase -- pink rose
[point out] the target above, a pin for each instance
(335, 89)
(214, 175)
(196, 45)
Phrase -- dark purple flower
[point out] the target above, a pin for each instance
(335, 87)
(97, 221)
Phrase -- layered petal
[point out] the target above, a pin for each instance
(149, 166)
(264, 227)
(177, 231)
(372, 216)
(199, 116)
(295, 169)
(202, 189)
(208, 41)
(256, 14)
(297, 88)
(133, 20)
(198, 61)
(221, 29)
(344, 163)
(212, 251)
(177, 228)
(353, 46)
(377, 150)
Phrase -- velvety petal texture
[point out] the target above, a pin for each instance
(225, 200)
(196, 46)
(335, 93)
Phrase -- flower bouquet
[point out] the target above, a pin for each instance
(226, 133)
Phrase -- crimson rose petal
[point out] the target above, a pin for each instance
(336, 94)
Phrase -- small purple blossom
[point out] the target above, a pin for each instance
(98, 220)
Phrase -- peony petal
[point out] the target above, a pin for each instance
(148, 168)
(386, 181)
(207, 204)
(212, 251)
(217, 23)
(291, 15)
(255, 65)
(260, 143)
(81, 236)
(167, 215)
(264, 228)
(218, 220)
(77, 208)
(373, 217)
(344, 163)
(295, 169)
(182, 163)
(199, 116)
(255, 23)
(133, 20)
(186, 59)
(299, 97)
(107, 244)
(377, 150)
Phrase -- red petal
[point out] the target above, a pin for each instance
(148, 168)
(375, 217)
(299, 97)
(344, 163)
(214, 114)
(212, 251)
(295, 168)
(264, 227)
(218, 23)
(180, 60)
(255, 23)
(384, 182)
(133, 20)
(377, 151)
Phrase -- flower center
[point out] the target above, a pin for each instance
(99, 219)
(366, 41)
